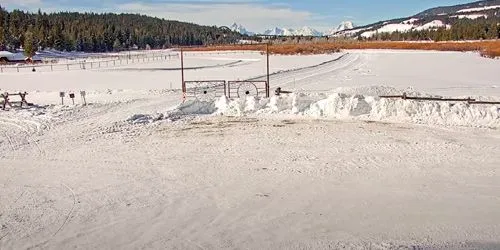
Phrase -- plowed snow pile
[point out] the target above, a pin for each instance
(346, 106)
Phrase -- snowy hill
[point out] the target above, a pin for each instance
(240, 29)
(440, 17)
(462, 8)
(405, 26)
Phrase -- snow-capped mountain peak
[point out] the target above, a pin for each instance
(345, 25)
(240, 29)
(274, 32)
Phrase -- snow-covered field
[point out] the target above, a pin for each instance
(330, 166)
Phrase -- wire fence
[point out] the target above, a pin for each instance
(216, 53)
(54, 64)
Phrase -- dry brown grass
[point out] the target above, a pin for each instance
(492, 52)
(487, 48)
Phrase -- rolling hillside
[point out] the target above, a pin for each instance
(477, 20)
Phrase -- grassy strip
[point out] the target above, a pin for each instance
(489, 49)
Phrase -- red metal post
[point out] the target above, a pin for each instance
(267, 86)
(182, 72)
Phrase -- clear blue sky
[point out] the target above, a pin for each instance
(256, 15)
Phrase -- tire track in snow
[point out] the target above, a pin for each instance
(70, 211)
(10, 141)
(291, 71)
(27, 128)
(316, 74)
(323, 74)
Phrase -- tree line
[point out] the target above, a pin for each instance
(461, 29)
(92, 32)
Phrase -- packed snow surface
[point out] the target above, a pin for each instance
(331, 165)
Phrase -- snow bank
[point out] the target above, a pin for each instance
(144, 119)
(340, 106)
(351, 106)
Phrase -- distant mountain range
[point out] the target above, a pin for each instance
(431, 19)
(304, 31)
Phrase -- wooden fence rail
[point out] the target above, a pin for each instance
(438, 99)
(83, 65)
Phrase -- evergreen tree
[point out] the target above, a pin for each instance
(29, 45)
(461, 29)
(102, 32)
(117, 45)
(3, 15)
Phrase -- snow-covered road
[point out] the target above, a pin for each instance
(320, 169)
(259, 183)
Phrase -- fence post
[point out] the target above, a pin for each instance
(1, 69)
(51, 67)
(17, 69)
(67, 66)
